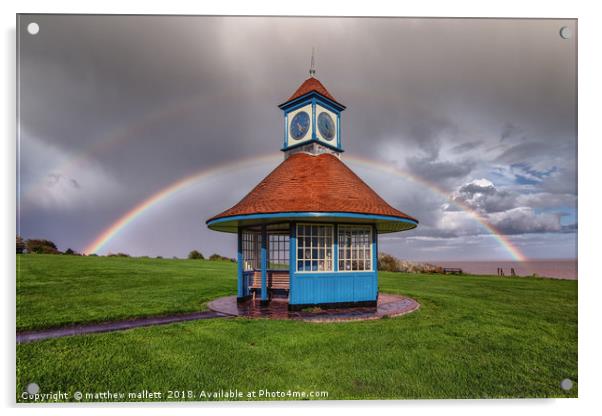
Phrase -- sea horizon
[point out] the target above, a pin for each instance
(553, 268)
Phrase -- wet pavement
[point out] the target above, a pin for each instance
(388, 305)
(29, 336)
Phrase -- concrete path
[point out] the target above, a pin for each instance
(387, 305)
(29, 336)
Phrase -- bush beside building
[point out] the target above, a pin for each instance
(389, 263)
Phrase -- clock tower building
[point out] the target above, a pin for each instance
(308, 232)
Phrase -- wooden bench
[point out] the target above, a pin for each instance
(452, 270)
(275, 280)
(279, 280)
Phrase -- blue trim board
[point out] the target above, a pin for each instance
(288, 104)
(327, 106)
(335, 255)
(246, 279)
(241, 289)
(312, 215)
(311, 140)
(339, 132)
(375, 254)
(314, 136)
(300, 104)
(292, 258)
(285, 130)
(264, 264)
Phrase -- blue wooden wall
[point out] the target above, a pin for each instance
(313, 288)
(331, 287)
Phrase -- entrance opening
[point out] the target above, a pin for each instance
(277, 256)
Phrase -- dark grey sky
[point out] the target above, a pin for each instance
(115, 108)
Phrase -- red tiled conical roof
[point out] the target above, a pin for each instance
(309, 183)
(312, 84)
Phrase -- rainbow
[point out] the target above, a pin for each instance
(169, 191)
(104, 237)
(502, 239)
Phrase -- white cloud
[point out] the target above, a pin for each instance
(500, 208)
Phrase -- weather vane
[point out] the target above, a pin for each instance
(312, 70)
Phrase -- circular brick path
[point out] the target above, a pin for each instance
(388, 305)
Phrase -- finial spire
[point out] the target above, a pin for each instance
(312, 69)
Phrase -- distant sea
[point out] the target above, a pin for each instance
(559, 269)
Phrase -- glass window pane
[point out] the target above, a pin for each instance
(316, 245)
(354, 247)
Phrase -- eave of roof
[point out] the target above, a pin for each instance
(384, 224)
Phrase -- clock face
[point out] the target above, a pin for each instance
(326, 126)
(299, 125)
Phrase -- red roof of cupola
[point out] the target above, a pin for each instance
(309, 85)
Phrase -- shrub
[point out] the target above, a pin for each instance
(118, 255)
(41, 246)
(196, 255)
(389, 263)
(20, 245)
(217, 257)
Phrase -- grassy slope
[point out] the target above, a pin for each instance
(473, 337)
(61, 290)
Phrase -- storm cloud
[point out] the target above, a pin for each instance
(479, 112)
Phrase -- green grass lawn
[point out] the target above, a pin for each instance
(473, 337)
(61, 290)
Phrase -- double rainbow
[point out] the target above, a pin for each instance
(169, 191)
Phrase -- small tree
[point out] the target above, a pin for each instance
(196, 255)
(71, 252)
(387, 263)
(20, 244)
(41, 246)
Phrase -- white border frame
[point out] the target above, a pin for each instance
(590, 82)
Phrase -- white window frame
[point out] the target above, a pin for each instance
(332, 248)
(370, 244)
(281, 249)
(251, 244)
